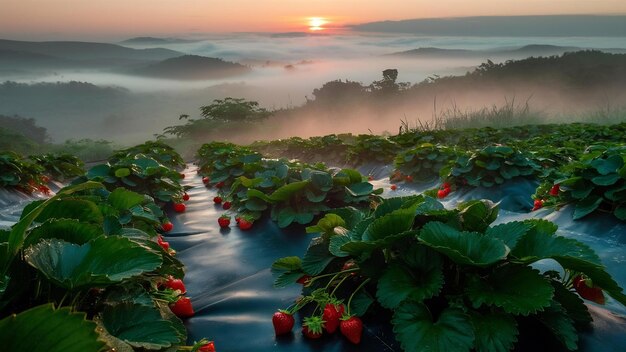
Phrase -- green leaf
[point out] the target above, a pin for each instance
(556, 320)
(336, 242)
(399, 283)
(287, 264)
(285, 192)
(515, 288)
(69, 230)
(139, 325)
(509, 233)
(396, 222)
(572, 303)
(44, 328)
(416, 331)
(620, 212)
(477, 215)
(360, 189)
(467, 248)
(316, 259)
(286, 279)
(608, 165)
(122, 172)
(391, 204)
(606, 180)
(123, 199)
(255, 204)
(72, 208)
(495, 332)
(100, 262)
(587, 206)
(361, 303)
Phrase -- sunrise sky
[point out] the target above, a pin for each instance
(111, 19)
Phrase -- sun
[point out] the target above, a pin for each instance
(317, 23)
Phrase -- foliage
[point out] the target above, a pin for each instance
(369, 148)
(424, 161)
(450, 279)
(61, 167)
(19, 173)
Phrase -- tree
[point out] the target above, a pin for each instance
(234, 110)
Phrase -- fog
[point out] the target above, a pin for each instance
(285, 69)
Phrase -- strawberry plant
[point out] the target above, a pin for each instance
(424, 162)
(17, 172)
(490, 166)
(369, 148)
(61, 167)
(596, 182)
(449, 279)
(161, 152)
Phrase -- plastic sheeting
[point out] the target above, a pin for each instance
(229, 280)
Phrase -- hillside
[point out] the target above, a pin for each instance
(154, 41)
(192, 67)
(87, 50)
(509, 53)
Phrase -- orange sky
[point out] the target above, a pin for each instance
(75, 19)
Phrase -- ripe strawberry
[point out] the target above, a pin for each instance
(441, 193)
(331, 316)
(304, 280)
(206, 180)
(185, 197)
(409, 178)
(554, 191)
(445, 185)
(245, 224)
(370, 178)
(182, 175)
(283, 322)
(219, 184)
(237, 219)
(44, 189)
(182, 308)
(45, 179)
(226, 205)
(312, 327)
(587, 290)
(224, 221)
(393, 187)
(538, 204)
(167, 226)
(349, 265)
(179, 207)
(164, 244)
(217, 200)
(351, 328)
(175, 284)
(207, 347)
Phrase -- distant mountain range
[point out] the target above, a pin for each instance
(23, 56)
(513, 53)
(506, 26)
(155, 41)
(192, 67)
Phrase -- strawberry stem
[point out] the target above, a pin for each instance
(353, 293)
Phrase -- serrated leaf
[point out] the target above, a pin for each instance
(399, 283)
(398, 221)
(286, 279)
(556, 320)
(509, 233)
(606, 180)
(316, 259)
(123, 199)
(416, 331)
(608, 165)
(517, 289)
(97, 263)
(573, 304)
(586, 206)
(287, 264)
(538, 244)
(336, 242)
(139, 326)
(53, 330)
(69, 230)
(495, 332)
(73, 208)
(477, 215)
(467, 248)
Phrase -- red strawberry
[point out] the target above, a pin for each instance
(304, 280)
(237, 219)
(207, 347)
(554, 191)
(226, 205)
(370, 178)
(167, 226)
(182, 308)
(409, 178)
(351, 328)
(217, 200)
(44, 189)
(312, 327)
(349, 265)
(175, 284)
(219, 184)
(179, 207)
(393, 187)
(245, 224)
(45, 179)
(224, 221)
(445, 185)
(165, 245)
(538, 204)
(206, 180)
(331, 316)
(185, 197)
(283, 322)
(182, 175)
(441, 193)
(587, 290)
